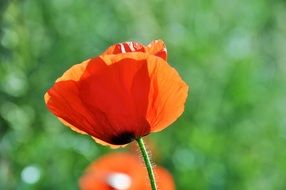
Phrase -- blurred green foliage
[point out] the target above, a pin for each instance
(231, 53)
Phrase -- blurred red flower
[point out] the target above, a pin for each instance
(123, 94)
(122, 171)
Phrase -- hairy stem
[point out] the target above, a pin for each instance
(147, 162)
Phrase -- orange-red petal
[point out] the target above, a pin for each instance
(124, 47)
(164, 179)
(158, 48)
(167, 95)
(107, 165)
(75, 72)
(97, 175)
(107, 144)
(121, 91)
(108, 102)
(64, 101)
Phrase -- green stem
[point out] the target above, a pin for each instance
(147, 162)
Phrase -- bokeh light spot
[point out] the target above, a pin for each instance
(119, 181)
(31, 174)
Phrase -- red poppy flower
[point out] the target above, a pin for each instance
(125, 93)
(122, 171)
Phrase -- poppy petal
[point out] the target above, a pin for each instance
(121, 90)
(71, 126)
(158, 48)
(75, 72)
(63, 100)
(124, 47)
(110, 164)
(99, 172)
(167, 95)
(53, 102)
(164, 179)
(65, 103)
(107, 144)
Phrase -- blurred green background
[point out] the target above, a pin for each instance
(232, 134)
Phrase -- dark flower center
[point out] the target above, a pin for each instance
(123, 138)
